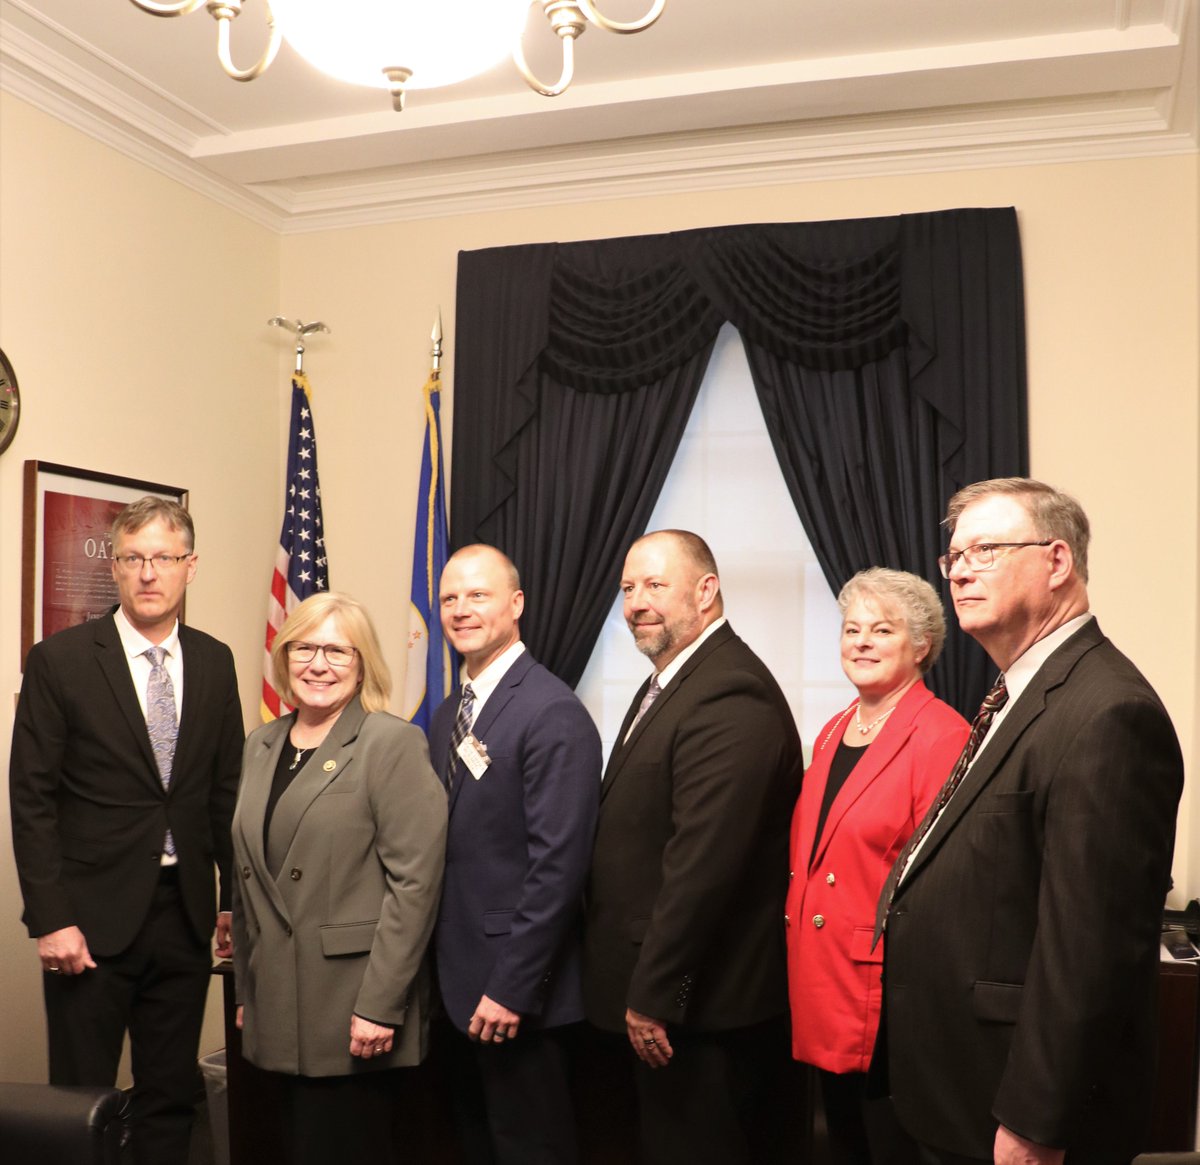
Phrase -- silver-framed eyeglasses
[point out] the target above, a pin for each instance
(336, 654)
(981, 556)
(133, 563)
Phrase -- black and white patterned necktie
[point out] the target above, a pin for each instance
(462, 729)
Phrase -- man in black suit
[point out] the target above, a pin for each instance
(125, 759)
(684, 937)
(523, 778)
(1022, 945)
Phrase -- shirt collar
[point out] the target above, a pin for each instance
(1022, 670)
(669, 672)
(134, 643)
(488, 680)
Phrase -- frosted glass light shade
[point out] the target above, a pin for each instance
(441, 41)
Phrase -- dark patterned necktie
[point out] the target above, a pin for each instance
(462, 729)
(992, 703)
(162, 723)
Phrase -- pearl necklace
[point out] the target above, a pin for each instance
(833, 728)
(866, 729)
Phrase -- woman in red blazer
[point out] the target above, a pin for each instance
(876, 768)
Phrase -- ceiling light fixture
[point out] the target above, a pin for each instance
(406, 44)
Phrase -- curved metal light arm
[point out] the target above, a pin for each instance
(223, 12)
(568, 22)
(565, 78)
(601, 21)
(182, 8)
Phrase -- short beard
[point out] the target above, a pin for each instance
(657, 644)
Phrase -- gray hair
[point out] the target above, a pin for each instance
(1054, 514)
(915, 600)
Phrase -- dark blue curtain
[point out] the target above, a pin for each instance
(888, 357)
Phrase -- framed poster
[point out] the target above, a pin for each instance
(66, 554)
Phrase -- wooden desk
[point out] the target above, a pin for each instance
(1173, 1125)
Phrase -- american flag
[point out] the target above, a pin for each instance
(301, 567)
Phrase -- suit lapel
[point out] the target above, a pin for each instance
(879, 754)
(998, 745)
(623, 751)
(111, 657)
(323, 767)
(503, 693)
(492, 709)
(195, 681)
(259, 772)
(620, 748)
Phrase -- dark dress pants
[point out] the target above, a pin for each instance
(512, 1101)
(156, 989)
(862, 1130)
(340, 1120)
(726, 1098)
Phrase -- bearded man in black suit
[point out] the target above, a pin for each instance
(1022, 929)
(125, 759)
(684, 936)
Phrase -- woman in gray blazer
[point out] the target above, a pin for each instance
(339, 838)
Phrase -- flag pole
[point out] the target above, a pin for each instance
(435, 369)
(300, 331)
(432, 664)
(301, 565)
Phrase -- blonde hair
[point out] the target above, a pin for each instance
(376, 684)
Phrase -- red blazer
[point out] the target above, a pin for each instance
(834, 978)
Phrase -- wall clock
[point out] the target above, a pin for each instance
(10, 402)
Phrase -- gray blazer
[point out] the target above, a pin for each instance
(333, 918)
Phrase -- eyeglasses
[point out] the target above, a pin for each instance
(981, 556)
(132, 563)
(336, 655)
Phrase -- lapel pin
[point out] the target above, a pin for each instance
(330, 765)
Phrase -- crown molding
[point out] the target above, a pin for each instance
(102, 111)
(167, 137)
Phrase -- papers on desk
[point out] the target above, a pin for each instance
(1178, 948)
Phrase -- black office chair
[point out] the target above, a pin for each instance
(43, 1124)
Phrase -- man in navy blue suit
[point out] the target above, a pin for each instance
(520, 758)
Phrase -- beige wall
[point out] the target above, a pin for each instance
(1112, 256)
(133, 311)
(1112, 270)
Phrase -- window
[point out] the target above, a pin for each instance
(725, 485)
